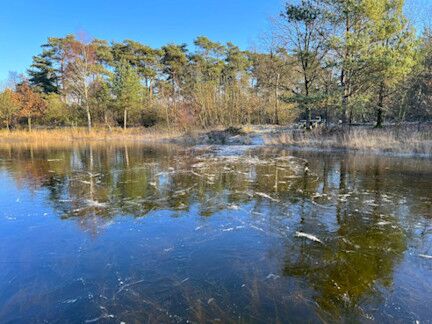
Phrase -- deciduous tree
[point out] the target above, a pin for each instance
(31, 103)
(9, 106)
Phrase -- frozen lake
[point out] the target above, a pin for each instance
(108, 233)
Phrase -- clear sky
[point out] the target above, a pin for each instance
(26, 24)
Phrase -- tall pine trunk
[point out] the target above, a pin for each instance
(344, 74)
(345, 97)
(29, 123)
(344, 109)
(380, 106)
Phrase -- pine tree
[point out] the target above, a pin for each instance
(348, 44)
(127, 89)
(42, 74)
(392, 54)
(306, 44)
(417, 104)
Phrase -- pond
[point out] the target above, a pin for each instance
(134, 233)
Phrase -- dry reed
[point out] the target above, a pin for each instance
(83, 135)
(400, 140)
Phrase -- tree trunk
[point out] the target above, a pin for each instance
(125, 119)
(344, 109)
(308, 118)
(379, 116)
(308, 109)
(380, 106)
(327, 122)
(345, 97)
(344, 77)
(7, 124)
(29, 123)
(151, 88)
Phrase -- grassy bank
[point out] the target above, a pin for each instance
(410, 140)
(215, 135)
(83, 135)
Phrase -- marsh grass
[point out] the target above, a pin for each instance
(395, 139)
(83, 135)
(406, 139)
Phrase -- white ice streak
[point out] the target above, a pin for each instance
(308, 236)
(96, 204)
(425, 256)
(104, 316)
(228, 229)
(272, 276)
(264, 195)
(382, 223)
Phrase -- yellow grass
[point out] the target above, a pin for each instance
(73, 135)
(401, 140)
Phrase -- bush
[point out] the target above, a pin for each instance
(57, 112)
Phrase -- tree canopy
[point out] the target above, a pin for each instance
(348, 61)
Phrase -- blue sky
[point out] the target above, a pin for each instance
(26, 24)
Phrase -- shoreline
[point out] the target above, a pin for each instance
(82, 135)
(348, 150)
(403, 142)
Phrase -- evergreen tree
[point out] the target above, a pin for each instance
(127, 89)
(392, 55)
(143, 58)
(207, 60)
(42, 74)
(57, 51)
(273, 75)
(417, 104)
(174, 62)
(306, 44)
(101, 100)
(349, 43)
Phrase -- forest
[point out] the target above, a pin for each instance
(347, 62)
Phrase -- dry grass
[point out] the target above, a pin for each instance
(73, 135)
(400, 140)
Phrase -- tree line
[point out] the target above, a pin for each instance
(347, 61)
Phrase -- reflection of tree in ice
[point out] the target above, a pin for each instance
(110, 181)
(227, 235)
(359, 257)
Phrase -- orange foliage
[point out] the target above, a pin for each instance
(31, 103)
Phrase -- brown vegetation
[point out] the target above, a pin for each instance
(406, 139)
(52, 136)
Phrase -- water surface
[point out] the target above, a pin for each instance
(112, 234)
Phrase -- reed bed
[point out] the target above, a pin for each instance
(83, 135)
(409, 140)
